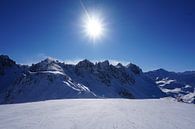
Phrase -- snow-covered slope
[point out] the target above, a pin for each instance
(37, 86)
(98, 114)
(178, 85)
(51, 79)
(9, 73)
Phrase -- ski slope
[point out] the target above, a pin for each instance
(98, 114)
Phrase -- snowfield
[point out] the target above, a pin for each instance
(98, 114)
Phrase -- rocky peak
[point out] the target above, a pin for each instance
(49, 60)
(48, 64)
(5, 61)
(103, 65)
(134, 68)
(84, 64)
(119, 65)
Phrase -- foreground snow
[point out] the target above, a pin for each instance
(98, 114)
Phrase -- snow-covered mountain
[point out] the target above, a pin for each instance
(51, 79)
(178, 85)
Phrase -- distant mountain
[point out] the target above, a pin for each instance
(179, 85)
(51, 79)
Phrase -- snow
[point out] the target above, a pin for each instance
(189, 98)
(52, 72)
(165, 81)
(98, 114)
(176, 90)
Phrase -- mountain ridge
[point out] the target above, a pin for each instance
(52, 79)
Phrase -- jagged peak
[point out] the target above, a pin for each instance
(6, 61)
(103, 64)
(49, 60)
(106, 63)
(47, 64)
(119, 65)
(4, 57)
(84, 63)
(134, 68)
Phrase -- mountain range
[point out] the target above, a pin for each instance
(52, 79)
(179, 85)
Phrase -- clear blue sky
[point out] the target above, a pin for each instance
(150, 33)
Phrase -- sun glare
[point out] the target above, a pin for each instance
(93, 27)
(93, 23)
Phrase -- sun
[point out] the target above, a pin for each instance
(93, 23)
(94, 27)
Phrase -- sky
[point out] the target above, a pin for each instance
(150, 33)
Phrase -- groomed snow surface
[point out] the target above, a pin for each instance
(98, 114)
